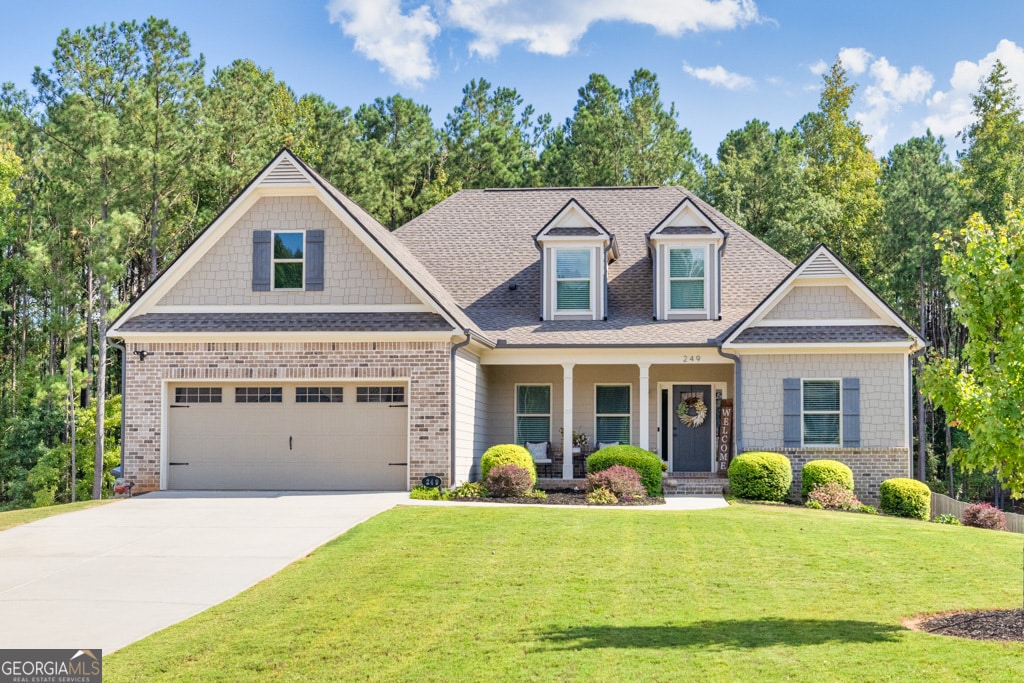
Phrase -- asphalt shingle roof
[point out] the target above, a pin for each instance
(831, 333)
(286, 322)
(478, 243)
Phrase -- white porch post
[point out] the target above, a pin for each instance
(567, 420)
(645, 405)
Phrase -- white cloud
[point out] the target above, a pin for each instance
(951, 110)
(818, 68)
(554, 26)
(718, 75)
(855, 59)
(398, 40)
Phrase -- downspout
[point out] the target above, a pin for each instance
(604, 300)
(736, 396)
(124, 386)
(451, 431)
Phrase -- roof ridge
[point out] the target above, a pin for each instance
(567, 187)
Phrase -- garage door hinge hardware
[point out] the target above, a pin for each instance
(179, 405)
(399, 405)
(398, 464)
(177, 463)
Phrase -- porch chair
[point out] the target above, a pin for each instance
(541, 452)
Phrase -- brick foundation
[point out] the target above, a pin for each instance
(871, 466)
(425, 364)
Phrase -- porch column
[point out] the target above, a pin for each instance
(645, 405)
(567, 420)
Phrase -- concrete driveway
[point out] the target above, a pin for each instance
(108, 576)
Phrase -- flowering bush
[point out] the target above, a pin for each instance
(508, 481)
(623, 481)
(984, 516)
(601, 496)
(833, 496)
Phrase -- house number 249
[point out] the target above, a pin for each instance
(689, 359)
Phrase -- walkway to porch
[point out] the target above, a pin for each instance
(675, 483)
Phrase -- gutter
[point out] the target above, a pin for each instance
(124, 373)
(451, 385)
(737, 395)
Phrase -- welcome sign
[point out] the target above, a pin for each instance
(723, 447)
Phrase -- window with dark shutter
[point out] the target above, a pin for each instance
(261, 261)
(315, 260)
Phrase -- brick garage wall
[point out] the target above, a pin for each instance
(871, 466)
(426, 364)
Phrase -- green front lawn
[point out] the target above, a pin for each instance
(742, 593)
(13, 518)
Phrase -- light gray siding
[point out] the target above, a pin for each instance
(882, 395)
(821, 303)
(470, 415)
(352, 274)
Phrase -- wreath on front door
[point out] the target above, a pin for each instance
(697, 404)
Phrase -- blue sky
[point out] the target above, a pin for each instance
(722, 62)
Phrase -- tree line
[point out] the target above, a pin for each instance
(122, 151)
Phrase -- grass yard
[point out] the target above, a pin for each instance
(744, 593)
(14, 518)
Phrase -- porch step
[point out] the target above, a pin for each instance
(690, 483)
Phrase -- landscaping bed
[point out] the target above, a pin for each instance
(999, 624)
(567, 497)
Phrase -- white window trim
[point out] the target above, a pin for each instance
(556, 311)
(515, 408)
(600, 415)
(668, 279)
(839, 383)
(274, 261)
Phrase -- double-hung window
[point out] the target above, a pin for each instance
(573, 280)
(686, 279)
(821, 412)
(612, 410)
(289, 259)
(533, 413)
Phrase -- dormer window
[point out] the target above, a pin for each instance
(574, 280)
(575, 252)
(686, 279)
(685, 250)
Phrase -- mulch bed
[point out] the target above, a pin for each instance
(563, 497)
(998, 624)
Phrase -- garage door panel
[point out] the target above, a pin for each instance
(334, 446)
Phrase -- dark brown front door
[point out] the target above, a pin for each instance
(691, 444)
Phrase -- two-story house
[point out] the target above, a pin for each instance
(297, 344)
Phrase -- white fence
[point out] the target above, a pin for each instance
(944, 505)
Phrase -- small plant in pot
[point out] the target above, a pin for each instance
(579, 441)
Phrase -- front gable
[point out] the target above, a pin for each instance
(347, 267)
(822, 303)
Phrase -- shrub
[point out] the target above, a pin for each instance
(868, 509)
(623, 481)
(601, 496)
(823, 472)
(760, 476)
(425, 493)
(507, 454)
(470, 489)
(905, 498)
(644, 462)
(984, 516)
(834, 496)
(539, 494)
(947, 519)
(508, 481)
(814, 505)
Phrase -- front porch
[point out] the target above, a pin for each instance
(605, 401)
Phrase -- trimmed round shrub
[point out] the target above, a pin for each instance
(984, 516)
(644, 462)
(623, 481)
(508, 481)
(825, 472)
(507, 454)
(760, 476)
(905, 498)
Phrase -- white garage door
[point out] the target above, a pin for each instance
(302, 437)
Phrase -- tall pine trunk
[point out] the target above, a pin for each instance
(922, 461)
(71, 420)
(101, 395)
